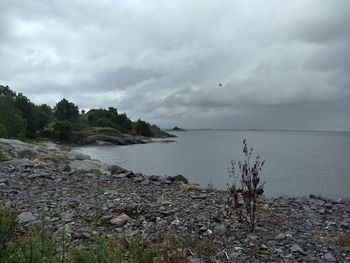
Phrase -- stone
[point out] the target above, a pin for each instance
(82, 234)
(105, 219)
(329, 257)
(176, 222)
(130, 174)
(252, 237)
(115, 169)
(192, 259)
(64, 168)
(263, 246)
(180, 178)
(4, 181)
(154, 177)
(88, 166)
(138, 179)
(78, 156)
(120, 176)
(2, 185)
(26, 217)
(198, 196)
(145, 182)
(120, 220)
(322, 211)
(67, 216)
(280, 236)
(17, 149)
(296, 248)
(219, 229)
(43, 174)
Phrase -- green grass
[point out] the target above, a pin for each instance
(39, 245)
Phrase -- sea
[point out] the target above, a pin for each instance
(297, 163)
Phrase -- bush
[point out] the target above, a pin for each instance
(142, 128)
(62, 130)
(104, 122)
(244, 193)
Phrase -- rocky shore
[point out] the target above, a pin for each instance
(90, 199)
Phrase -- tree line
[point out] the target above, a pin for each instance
(22, 119)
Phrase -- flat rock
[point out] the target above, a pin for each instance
(120, 220)
(329, 257)
(198, 196)
(26, 217)
(296, 248)
(280, 236)
(89, 166)
(115, 169)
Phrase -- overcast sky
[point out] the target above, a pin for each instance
(282, 64)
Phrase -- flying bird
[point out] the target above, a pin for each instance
(220, 85)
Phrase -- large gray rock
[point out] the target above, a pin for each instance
(115, 169)
(26, 217)
(78, 156)
(89, 166)
(10, 149)
(329, 257)
(13, 165)
(180, 178)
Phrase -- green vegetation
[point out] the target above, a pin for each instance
(22, 119)
(39, 245)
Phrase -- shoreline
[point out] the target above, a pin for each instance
(85, 196)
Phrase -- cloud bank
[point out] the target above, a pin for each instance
(282, 65)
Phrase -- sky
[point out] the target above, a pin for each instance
(281, 64)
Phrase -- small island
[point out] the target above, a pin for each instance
(177, 129)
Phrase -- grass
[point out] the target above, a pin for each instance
(39, 245)
(341, 241)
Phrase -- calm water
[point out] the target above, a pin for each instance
(297, 162)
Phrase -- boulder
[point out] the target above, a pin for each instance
(26, 217)
(115, 169)
(120, 220)
(78, 156)
(15, 149)
(88, 166)
(179, 178)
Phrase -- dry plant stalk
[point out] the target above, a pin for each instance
(246, 187)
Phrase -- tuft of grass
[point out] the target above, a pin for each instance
(341, 241)
(39, 245)
(7, 231)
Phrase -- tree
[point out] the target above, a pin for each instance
(6, 91)
(11, 122)
(62, 130)
(66, 111)
(45, 115)
(28, 112)
(142, 128)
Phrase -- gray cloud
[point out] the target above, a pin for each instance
(282, 65)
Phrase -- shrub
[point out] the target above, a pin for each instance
(246, 186)
(62, 130)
